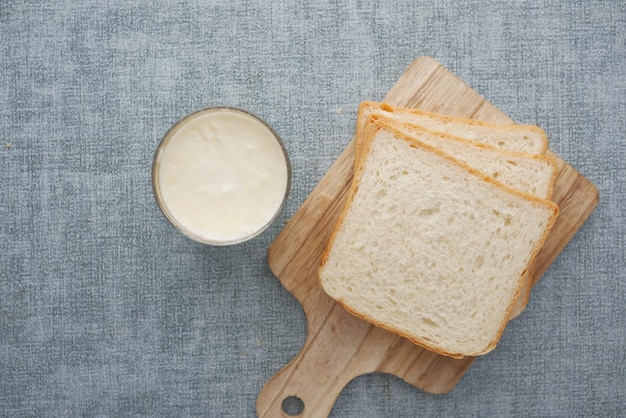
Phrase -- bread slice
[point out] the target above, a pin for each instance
(430, 248)
(525, 138)
(530, 173)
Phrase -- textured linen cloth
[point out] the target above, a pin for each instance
(106, 310)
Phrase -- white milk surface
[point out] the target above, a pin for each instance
(222, 175)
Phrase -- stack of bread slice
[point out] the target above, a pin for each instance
(441, 225)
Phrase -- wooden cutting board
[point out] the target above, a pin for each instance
(339, 346)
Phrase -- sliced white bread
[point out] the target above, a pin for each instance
(525, 138)
(430, 248)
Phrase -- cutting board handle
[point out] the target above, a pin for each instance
(289, 393)
(316, 376)
(338, 348)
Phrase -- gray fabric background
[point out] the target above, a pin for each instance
(105, 310)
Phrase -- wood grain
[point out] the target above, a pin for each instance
(340, 347)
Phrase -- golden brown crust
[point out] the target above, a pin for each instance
(354, 187)
(372, 107)
(522, 298)
(371, 119)
(555, 174)
(474, 122)
(359, 168)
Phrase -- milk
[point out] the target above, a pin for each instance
(221, 175)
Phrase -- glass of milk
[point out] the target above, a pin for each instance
(221, 176)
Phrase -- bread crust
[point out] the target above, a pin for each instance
(473, 122)
(359, 168)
